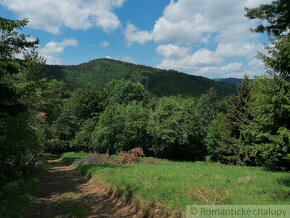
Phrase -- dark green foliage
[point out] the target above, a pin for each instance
(277, 15)
(36, 65)
(229, 80)
(279, 59)
(121, 128)
(15, 195)
(19, 133)
(267, 135)
(18, 142)
(158, 82)
(83, 104)
(228, 147)
(12, 42)
(175, 129)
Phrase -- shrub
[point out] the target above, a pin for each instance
(174, 128)
(121, 128)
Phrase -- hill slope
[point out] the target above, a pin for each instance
(158, 82)
(229, 80)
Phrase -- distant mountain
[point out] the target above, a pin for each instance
(158, 82)
(229, 80)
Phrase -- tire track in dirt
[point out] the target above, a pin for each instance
(87, 195)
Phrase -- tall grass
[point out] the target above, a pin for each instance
(177, 184)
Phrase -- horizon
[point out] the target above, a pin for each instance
(203, 38)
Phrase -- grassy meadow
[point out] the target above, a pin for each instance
(177, 184)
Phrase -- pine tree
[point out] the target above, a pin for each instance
(277, 17)
(267, 135)
(237, 115)
(18, 141)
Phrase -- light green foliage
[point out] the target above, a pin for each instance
(213, 137)
(267, 136)
(83, 138)
(206, 109)
(121, 128)
(175, 129)
(123, 92)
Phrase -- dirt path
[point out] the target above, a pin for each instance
(64, 192)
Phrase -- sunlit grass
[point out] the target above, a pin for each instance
(172, 183)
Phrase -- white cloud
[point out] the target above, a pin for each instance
(209, 63)
(172, 51)
(194, 21)
(232, 67)
(218, 28)
(53, 49)
(237, 50)
(133, 34)
(183, 60)
(105, 44)
(51, 15)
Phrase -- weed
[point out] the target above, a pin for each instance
(209, 196)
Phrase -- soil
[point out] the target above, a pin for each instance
(64, 180)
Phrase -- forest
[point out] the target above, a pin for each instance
(41, 114)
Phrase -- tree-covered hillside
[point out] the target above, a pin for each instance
(158, 82)
(229, 80)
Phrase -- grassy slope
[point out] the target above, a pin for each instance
(169, 182)
(159, 82)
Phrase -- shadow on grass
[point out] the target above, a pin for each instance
(284, 181)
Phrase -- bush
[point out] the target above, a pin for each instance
(19, 143)
(124, 92)
(174, 128)
(83, 138)
(121, 128)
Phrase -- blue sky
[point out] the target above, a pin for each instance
(210, 38)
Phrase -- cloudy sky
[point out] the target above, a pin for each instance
(210, 38)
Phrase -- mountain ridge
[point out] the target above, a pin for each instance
(159, 82)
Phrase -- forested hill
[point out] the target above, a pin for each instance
(158, 82)
(229, 80)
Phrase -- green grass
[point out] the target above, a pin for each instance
(170, 183)
(14, 196)
(72, 205)
(70, 157)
